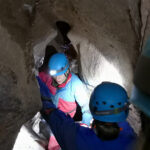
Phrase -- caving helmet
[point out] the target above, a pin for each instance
(58, 64)
(109, 103)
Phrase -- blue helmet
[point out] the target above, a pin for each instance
(108, 103)
(58, 64)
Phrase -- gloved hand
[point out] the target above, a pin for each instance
(47, 105)
(47, 108)
(45, 93)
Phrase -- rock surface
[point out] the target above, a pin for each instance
(107, 35)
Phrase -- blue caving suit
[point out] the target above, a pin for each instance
(67, 94)
(72, 136)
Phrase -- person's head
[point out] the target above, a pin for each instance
(49, 51)
(59, 67)
(108, 105)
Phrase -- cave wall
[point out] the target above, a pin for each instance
(145, 17)
(107, 35)
(107, 39)
(100, 33)
(19, 97)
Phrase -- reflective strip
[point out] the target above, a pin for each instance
(110, 112)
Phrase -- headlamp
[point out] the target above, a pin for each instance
(52, 72)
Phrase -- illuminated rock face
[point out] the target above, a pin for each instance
(20, 99)
(19, 96)
(106, 35)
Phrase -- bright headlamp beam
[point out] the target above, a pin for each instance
(52, 72)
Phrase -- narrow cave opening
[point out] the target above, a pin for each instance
(63, 27)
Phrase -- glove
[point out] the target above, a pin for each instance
(47, 108)
(47, 105)
(44, 90)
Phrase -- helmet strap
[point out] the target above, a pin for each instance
(54, 83)
(66, 75)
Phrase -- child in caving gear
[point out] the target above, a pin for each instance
(65, 88)
(110, 130)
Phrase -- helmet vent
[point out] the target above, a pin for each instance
(111, 106)
(104, 102)
(97, 102)
(119, 103)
